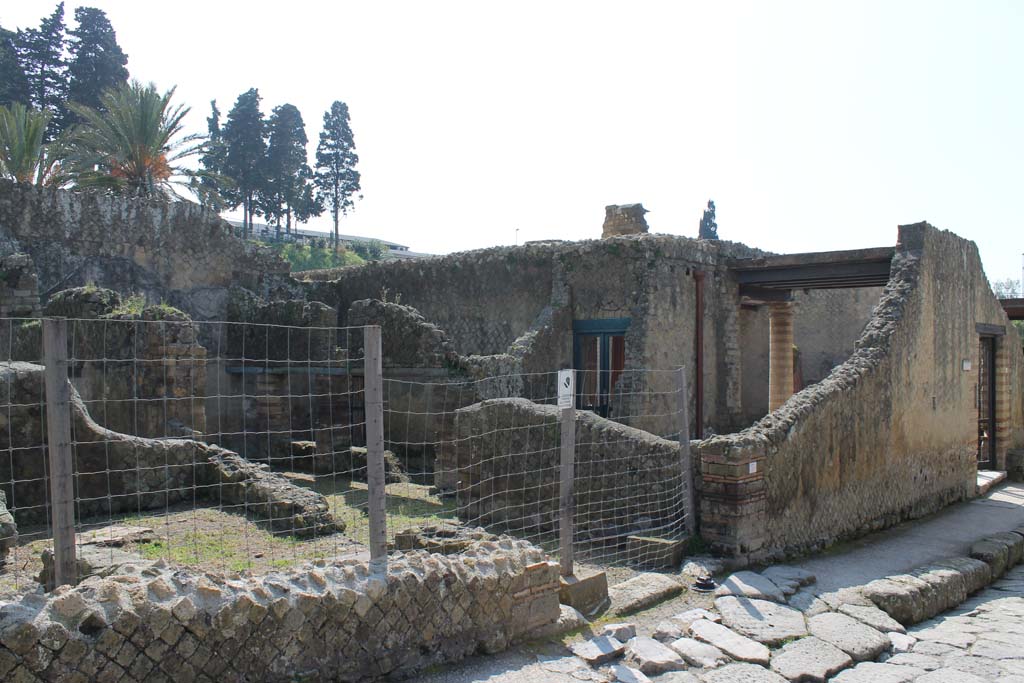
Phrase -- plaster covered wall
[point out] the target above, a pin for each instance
(826, 325)
(889, 434)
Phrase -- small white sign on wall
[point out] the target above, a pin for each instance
(966, 364)
(566, 388)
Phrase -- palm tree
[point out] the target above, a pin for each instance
(24, 156)
(133, 145)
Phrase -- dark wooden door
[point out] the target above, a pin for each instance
(986, 401)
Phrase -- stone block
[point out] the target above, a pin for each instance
(621, 632)
(642, 591)
(742, 673)
(699, 654)
(993, 551)
(731, 643)
(587, 590)
(873, 672)
(763, 620)
(810, 659)
(652, 657)
(750, 585)
(873, 617)
(597, 651)
(856, 639)
(654, 553)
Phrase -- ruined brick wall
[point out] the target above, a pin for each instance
(826, 326)
(505, 458)
(337, 621)
(173, 252)
(890, 434)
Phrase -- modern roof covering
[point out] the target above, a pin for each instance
(819, 270)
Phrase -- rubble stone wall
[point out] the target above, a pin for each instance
(175, 252)
(505, 457)
(890, 434)
(339, 621)
(19, 287)
(122, 473)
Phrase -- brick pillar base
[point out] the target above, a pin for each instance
(780, 354)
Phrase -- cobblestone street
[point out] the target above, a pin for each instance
(982, 640)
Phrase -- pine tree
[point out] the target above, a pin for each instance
(245, 150)
(97, 61)
(212, 190)
(41, 53)
(13, 84)
(286, 168)
(708, 227)
(336, 176)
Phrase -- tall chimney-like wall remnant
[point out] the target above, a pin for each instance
(624, 219)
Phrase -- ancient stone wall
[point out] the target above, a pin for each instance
(513, 308)
(505, 458)
(19, 287)
(889, 434)
(121, 473)
(826, 325)
(173, 252)
(338, 621)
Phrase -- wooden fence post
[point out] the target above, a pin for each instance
(566, 494)
(375, 478)
(58, 442)
(685, 455)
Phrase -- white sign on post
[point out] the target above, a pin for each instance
(566, 388)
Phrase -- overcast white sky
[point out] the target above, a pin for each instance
(813, 125)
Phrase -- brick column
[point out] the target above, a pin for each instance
(780, 354)
(1002, 411)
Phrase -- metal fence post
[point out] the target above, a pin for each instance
(685, 455)
(566, 499)
(58, 441)
(375, 479)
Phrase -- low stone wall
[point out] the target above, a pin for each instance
(339, 621)
(890, 434)
(505, 458)
(19, 287)
(122, 473)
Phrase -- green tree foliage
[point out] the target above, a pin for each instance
(286, 193)
(373, 250)
(336, 176)
(708, 227)
(134, 145)
(213, 185)
(13, 83)
(315, 257)
(41, 55)
(24, 155)
(245, 149)
(97, 61)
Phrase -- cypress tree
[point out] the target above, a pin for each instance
(13, 84)
(41, 53)
(336, 176)
(245, 149)
(212, 191)
(97, 61)
(286, 168)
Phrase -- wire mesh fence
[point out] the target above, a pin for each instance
(240, 446)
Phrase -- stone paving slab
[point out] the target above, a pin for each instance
(598, 650)
(765, 621)
(789, 579)
(642, 591)
(873, 672)
(731, 643)
(699, 654)
(747, 584)
(742, 673)
(651, 657)
(809, 659)
(873, 617)
(858, 640)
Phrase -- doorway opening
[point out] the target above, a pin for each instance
(599, 356)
